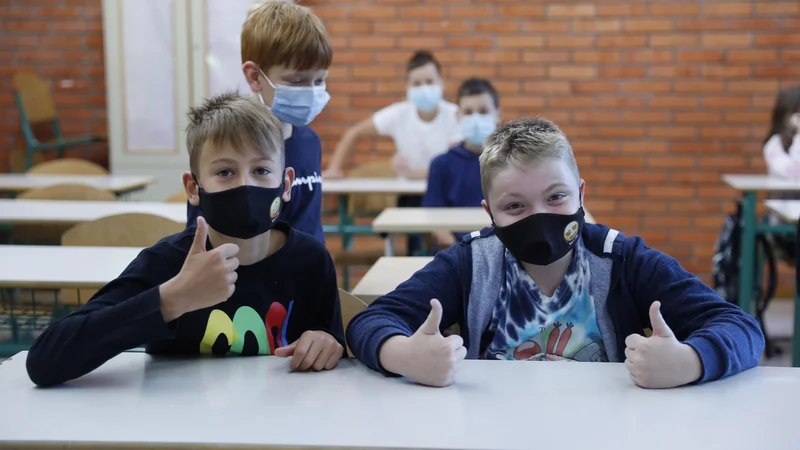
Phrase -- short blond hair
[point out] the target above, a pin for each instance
(236, 120)
(281, 33)
(522, 142)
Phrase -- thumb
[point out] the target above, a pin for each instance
(431, 324)
(657, 323)
(200, 237)
(284, 352)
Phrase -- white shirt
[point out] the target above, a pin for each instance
(780, 162)
(416, 140)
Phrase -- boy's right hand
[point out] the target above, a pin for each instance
(206, 279)
(426, 357)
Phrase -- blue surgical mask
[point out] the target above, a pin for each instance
(297, 105)
(425, 97)
(475, 128)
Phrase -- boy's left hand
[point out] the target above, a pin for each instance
(661, 361)
(315, 350)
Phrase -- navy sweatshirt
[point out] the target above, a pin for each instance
(304, 210)
(454, 180)
(631, 277)
(275, 301)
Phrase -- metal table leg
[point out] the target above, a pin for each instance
(747, 252)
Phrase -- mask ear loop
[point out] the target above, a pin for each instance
(260, 97)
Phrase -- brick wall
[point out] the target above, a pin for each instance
(62, 41)
(658, 97)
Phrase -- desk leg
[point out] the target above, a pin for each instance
(796, 331)
(347, 238)
(747, 252)
(388, 245)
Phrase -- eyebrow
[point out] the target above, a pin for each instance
(557, 184)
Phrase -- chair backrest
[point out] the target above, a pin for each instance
(68, 166)
(178, 197)
(35, 97)
(371, 203)
(121, 230)
(351, 305)
(68, 192)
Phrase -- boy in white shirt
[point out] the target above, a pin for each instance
(422, 127)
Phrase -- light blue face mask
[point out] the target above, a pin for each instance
(297, 105)
(425, 97)
(475, 128)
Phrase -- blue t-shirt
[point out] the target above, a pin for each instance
(454, 180)
(304, 211)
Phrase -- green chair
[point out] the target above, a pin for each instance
(35, 105)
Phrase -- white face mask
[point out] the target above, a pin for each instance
(477, 127)
(297, 105)
(425, 97)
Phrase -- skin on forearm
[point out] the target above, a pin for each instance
(392, 354)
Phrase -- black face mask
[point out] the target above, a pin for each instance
(541, 239)
(243, 212)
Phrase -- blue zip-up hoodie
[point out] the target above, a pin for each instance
(627, 277)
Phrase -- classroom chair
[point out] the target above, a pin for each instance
(51, 233)
(350, 305)
(178, 197)
(67, 166)
(121, 230)
(36, 106)
(361, 205)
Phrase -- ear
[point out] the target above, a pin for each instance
(191, 188)
(582, 190)
(486, 207)
(252, 74)
(288, 181)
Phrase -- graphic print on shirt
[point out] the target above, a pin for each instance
(309, 180)
(270, 333)
(530, 326)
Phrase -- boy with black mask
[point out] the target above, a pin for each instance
(240, 281)
(543, 285)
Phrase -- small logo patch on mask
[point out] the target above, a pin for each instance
(275, 208)
(571, 231)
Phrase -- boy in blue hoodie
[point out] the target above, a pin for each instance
(286, 53)
(454, 178)
(543, 285)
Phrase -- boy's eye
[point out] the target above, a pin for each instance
(557, 197)
(224, 172)
(511, 206)
(262, 171)
(319, 82)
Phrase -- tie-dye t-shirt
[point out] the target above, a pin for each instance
(528, 325)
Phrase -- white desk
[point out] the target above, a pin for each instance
(788, 210)
(135, 400)
(761, 183)
(386, 274)
(374, 186)
(119, 184)
(50, 267)
(72, 212)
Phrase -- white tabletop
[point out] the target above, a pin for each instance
(386, 274)
(16, 182)
(762, 183)
(788, 210)
(71, 212)
(44, 266)
(374, 186)
(229, 402)
(426, 220)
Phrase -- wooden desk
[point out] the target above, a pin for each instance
(749, 186)
(789, 210)
(119, 184)
(386, 274)
(52, 267)
(72, 212)
(136, 401)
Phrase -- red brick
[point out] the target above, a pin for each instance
(618, 191)
(380, 42)
(698, 117)
(621, 41)
(672, 132)
(518, 11)
(777, 72)
(622, 72)
(669, 191)
(522, 101)
(724, 132)
(778, 9)
(595, 146)
(753, 86)
(27, 26)
(621, 102)
(330, 12)
(701, 56)
(548, 26)
(674, 72)
(570, 102)
(653, 205)
(598, 56)
(727, 9)
(790, 55)
(754, 24)
(726, 71)
(639, 147)
(595, 87)
(373, 12)
(546, 57)
(354, 57)
(422, 12)
(650, 56)
(596, 26)
(646, 86)
(726, 40)
(462, 72)
(701, 25)
(520, 71)
(519, 41)
(417, 42)
(497, 27)
(505, 56)
(674, 40)
(647, 25)
(620, 132)
(673, 102)
(579, 10)
(645, 117)
(763, 55)
(722, 162)
(569, 42)
(572, 72)
(600, 176)
(621, 10)
(674, 10)
(620, 161)
(547, 87)
(699, 86)
(695, 147)
(725, 102)
(376, 71)
(595, 116)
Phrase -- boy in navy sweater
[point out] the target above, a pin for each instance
(241, 281)
(454, 179)
(543, 285)
(286, 53)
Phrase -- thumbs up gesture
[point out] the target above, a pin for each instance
(207, 278)
(660, 361)
(426, 357)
